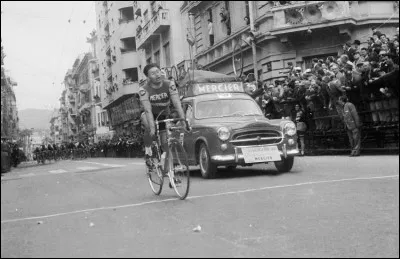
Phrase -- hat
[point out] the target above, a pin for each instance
(357, 42)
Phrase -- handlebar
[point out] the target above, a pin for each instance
(187, 128)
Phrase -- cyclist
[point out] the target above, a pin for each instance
(156, 96)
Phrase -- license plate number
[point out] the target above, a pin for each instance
(261, 154)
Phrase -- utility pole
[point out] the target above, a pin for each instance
(253, 44)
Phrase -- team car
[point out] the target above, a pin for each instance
(229, 128)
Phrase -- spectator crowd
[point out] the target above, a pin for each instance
(367, 75)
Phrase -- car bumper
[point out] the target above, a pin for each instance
(238, 158)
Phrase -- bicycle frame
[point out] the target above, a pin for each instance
(169, 129)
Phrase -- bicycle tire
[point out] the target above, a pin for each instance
(237, 59)
(180, 169)
(155, 177)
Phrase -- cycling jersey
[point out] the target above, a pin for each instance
(160, 99)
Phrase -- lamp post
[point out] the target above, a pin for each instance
(253, 44)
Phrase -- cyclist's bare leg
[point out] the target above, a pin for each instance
(164, 147)
(146, 136)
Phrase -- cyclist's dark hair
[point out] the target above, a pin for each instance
(148, 67)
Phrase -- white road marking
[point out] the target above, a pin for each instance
(27, 175)
(109, 165)
(85, 168)
(58, 171)
(197, 197)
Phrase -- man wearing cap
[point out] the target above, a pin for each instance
(349, 50)
(352, 123)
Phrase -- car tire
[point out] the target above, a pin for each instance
(207, 168)
(285, 165)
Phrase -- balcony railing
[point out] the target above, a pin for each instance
(192, 4)
(306, 13)
(159, 23)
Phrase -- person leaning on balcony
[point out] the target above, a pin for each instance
(211, 32)
(352, 123)
(226, 19)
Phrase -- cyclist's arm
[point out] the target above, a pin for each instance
(145, 101)
(173, 91)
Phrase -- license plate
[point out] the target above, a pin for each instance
(261, 154)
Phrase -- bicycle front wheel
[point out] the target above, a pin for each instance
(154, 173)
(179, 169)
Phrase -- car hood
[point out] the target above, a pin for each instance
(242, 122)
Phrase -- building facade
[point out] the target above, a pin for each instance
(100, 118)
(9, 112)
(118, 65)
(162, 37)
(285, 31)
(56, 129)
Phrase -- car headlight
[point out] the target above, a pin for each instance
(290, 129)
(223, 133)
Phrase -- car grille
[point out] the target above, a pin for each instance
(257, 137)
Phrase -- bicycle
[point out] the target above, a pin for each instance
(176, 166)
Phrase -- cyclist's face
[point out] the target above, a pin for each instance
(154, 75)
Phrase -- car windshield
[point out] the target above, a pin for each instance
(226, 108)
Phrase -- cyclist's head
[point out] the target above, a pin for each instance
(153, 73)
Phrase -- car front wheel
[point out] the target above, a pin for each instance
(285, 165)
(207, 168)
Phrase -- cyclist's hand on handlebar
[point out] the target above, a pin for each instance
(186, 125)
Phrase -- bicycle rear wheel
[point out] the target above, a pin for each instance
(237, 59)
(179, 173)
(154, 174)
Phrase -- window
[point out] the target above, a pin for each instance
(157, 58)
(167, 55)
(131, 74)
(128, 44)
(126, 14)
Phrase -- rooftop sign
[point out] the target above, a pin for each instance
(210, 88)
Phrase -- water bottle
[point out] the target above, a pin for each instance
(181, 138)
